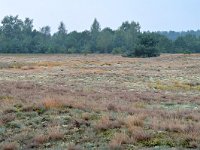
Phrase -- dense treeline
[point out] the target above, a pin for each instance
(19, 36)
(172, 35)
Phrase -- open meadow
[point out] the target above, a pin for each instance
(99, 102)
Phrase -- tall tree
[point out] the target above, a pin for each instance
(61, 29)
(147, 46)
(12, 33)
(59, 39)
(11, 26)
(28, 25)
(130, 33)
(46, 30)
(95, 30)
(105, 41)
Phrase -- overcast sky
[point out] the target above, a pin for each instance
(153, 15)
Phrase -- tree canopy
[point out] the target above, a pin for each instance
(19, 36)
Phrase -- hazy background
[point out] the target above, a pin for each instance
(78, 15)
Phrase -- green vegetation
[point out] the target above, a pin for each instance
(18, 36)
(146, 46)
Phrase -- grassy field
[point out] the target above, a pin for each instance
(99, 102)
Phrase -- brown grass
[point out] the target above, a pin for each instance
(86, 116)
(112, 107)
(40, 139)
(135, 120)
(28, 68)
(48, 64)
(141, 136)
(55, 134)
(105, 123)
(138, 134)
(145, 97)
(117, 141)
(7, 118)
(53, 102)
(171, 125)
(74, 147)
(10, 146)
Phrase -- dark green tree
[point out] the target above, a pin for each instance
(146, 47)
(105, 41)
(59, 39)
(95, 31)
(130, 33)
(12, 33)
(18, 36)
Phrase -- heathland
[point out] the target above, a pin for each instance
(99, 102)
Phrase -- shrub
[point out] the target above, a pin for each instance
(72, 50)
(146, 47)
(117, 50)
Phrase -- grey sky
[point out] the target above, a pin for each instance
(78, 15)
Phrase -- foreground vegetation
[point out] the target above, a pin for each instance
(19, 36)
(99, 102)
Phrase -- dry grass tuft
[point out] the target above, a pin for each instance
(118, 140)
(49, 64)
(27, 67)
(170, 125)
(86, 116)
(40, 139)
(53, 102)
(112, 107)
(139, 105)
(140, 135)
(10, 146)
(7, 118)
(114, 145)
(134, 120)
(55, 135)
(74, 147)
(105, 123)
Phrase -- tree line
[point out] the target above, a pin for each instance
(174, 35)
(19, 36)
